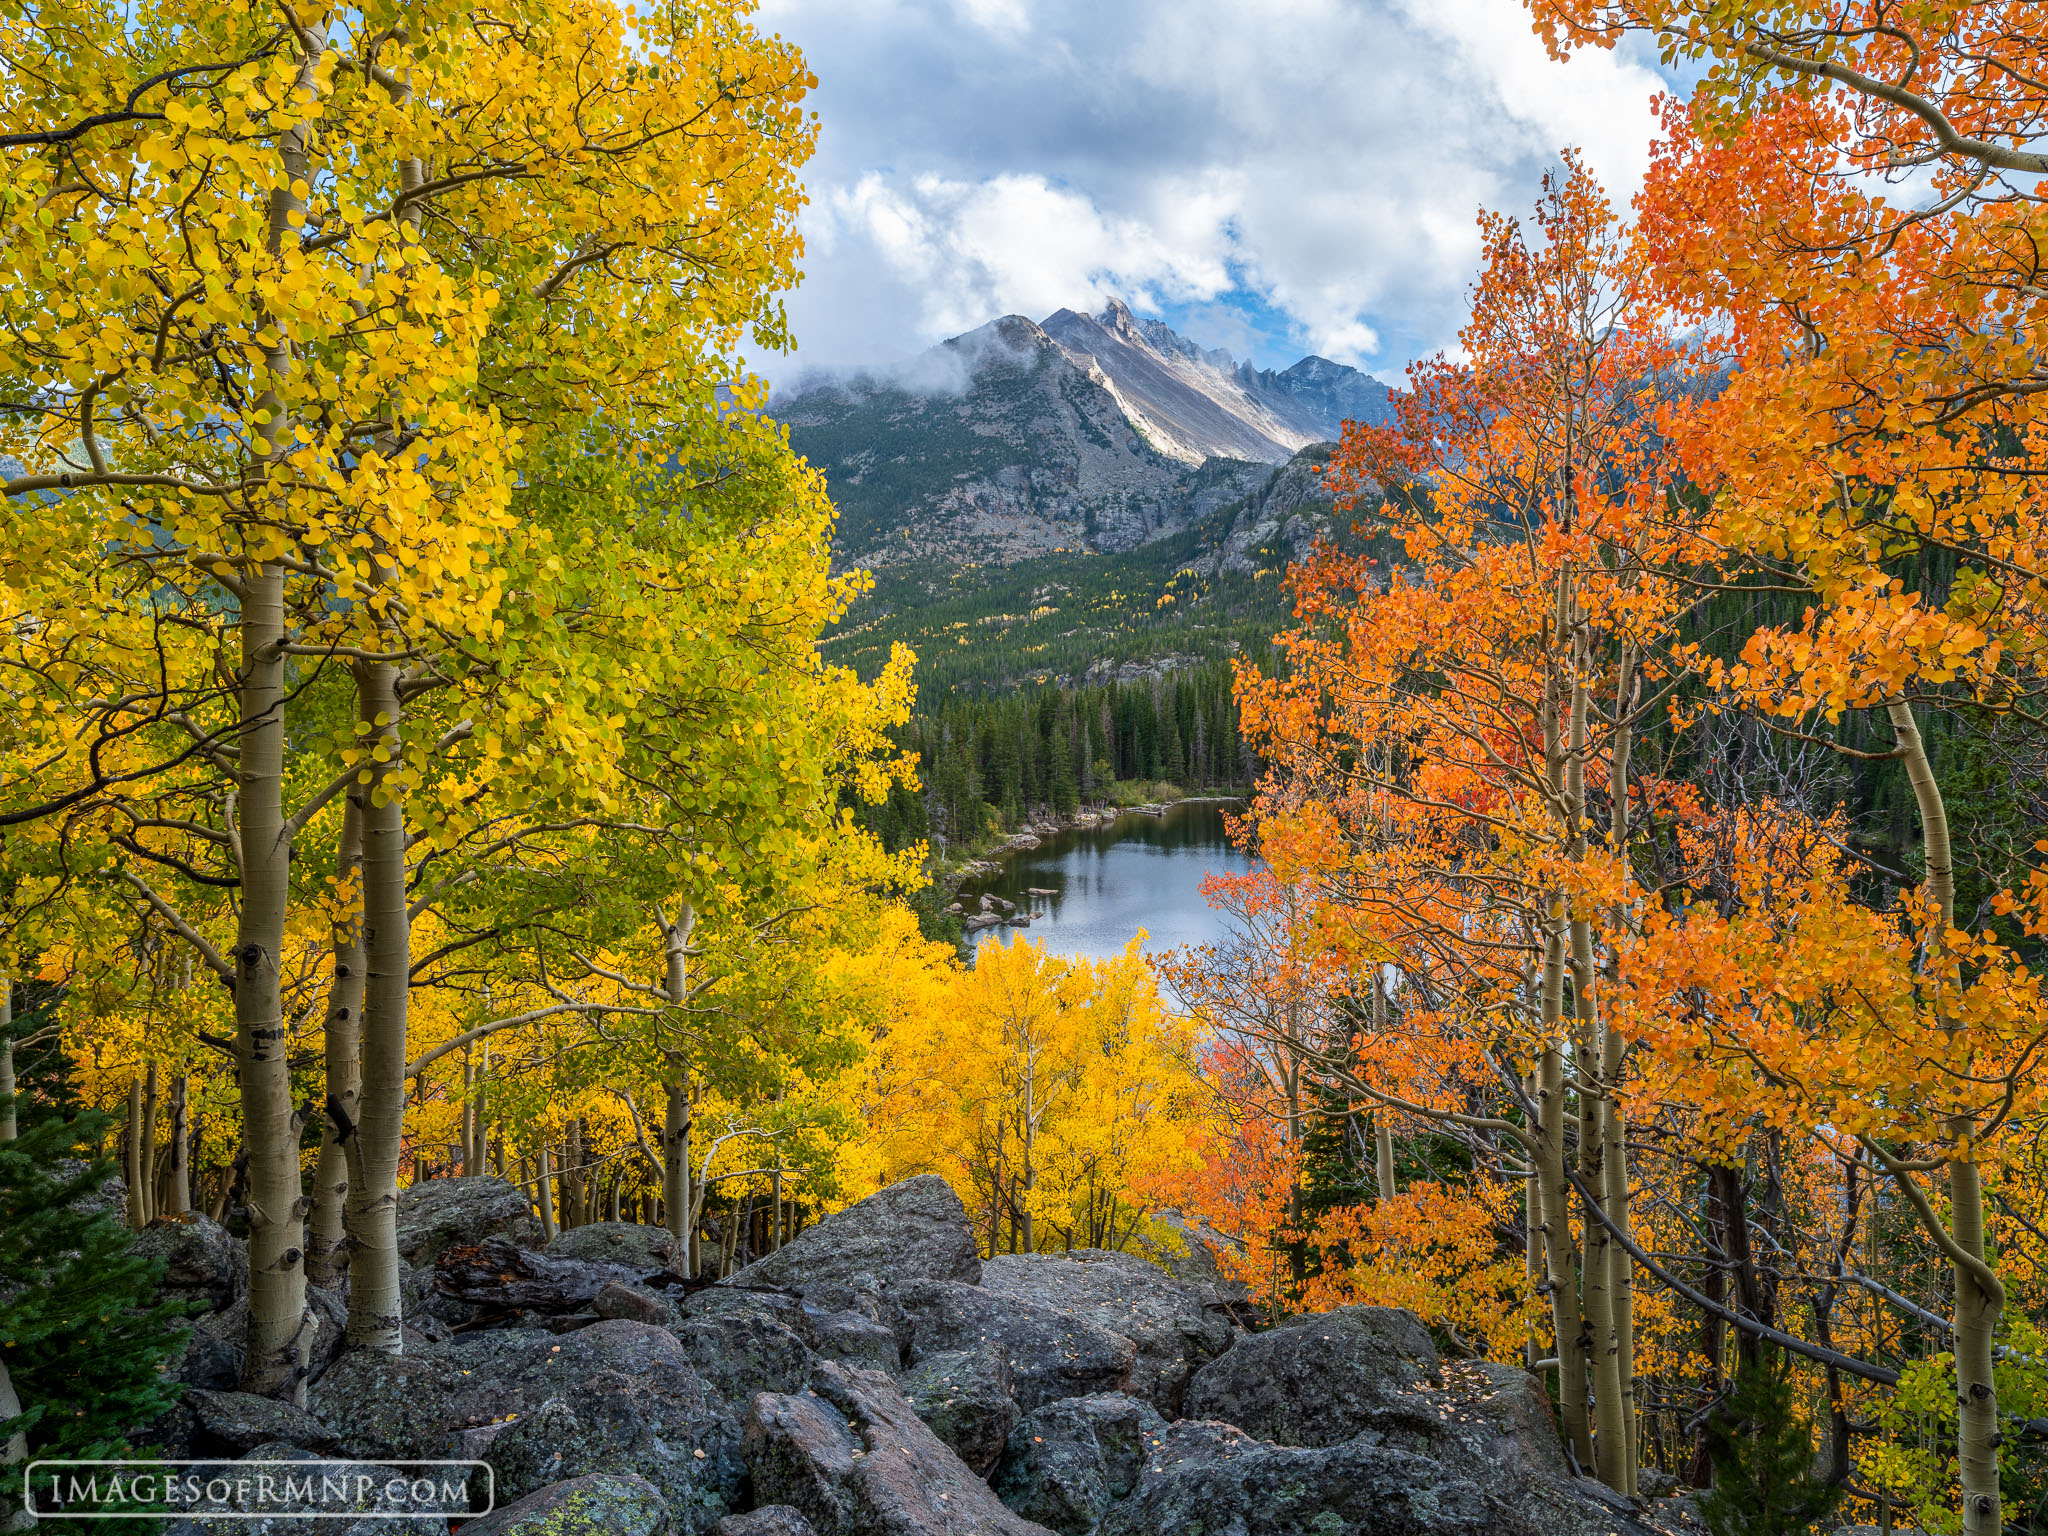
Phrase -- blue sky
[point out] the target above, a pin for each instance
(1272, 176)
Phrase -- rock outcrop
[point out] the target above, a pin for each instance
(1318, 1379)
(460, 1213)
(852, 1456)
(1173, 1332)
(1052, 1354)
(916, 1230)
(602, 1504)
(875, 1377)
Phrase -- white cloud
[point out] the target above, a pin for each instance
(1314, 165)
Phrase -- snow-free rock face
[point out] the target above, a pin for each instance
(852, 1456)
(1055, 1395)
(612, 1397)
(1052, 1354)
(204, 1263)
(459, 1213)
(1174, 1333)
(916, 1230)
(768, 1520)
(616, 1242)
(1317, 1379)
(1211, 1477)
(1067, 1463)
(602, 1504)
(964, 1397)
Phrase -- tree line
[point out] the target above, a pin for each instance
(988, 765)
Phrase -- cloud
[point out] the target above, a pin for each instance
(1311, 166)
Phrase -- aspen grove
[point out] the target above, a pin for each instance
(418, 762)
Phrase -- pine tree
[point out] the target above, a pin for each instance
(82, 1336)
(1764, 1483)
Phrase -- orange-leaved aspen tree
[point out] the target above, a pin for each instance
(1851, 205)
(1452, 743)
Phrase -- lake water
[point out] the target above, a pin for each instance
(1110, 881)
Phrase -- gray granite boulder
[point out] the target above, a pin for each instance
(599, 1504)
(618, 1300)
(856, 1339)
(1211, 1477)
(204, 1263)
(1316, 1379)
(616, 1242)
(915, 1230)
(459, 1213)
(1052, 1354)
(741, 1353)
(964, 1398)
(208, 1361)
(1174, 1331)
(1187, 1251)
(291, 1515)
(1067, 1462)
(611, 1397)
(238, 1422)
(768, 1520)
(856, 1461)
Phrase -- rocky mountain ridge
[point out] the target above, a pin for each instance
(874, 1377)
(1081, 433)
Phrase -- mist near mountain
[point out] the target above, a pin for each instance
(1078, 433)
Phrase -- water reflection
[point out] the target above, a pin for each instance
(1107, 882)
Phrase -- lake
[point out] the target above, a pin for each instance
(1109, 881)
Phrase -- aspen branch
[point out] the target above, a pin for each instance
(213, 957)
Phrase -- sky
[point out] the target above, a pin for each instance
(1277, 177)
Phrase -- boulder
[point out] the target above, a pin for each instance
(1067, 1462)
(460, 1213)
(768, 1520)
(634, 1305)
(1211, 1477)
(855, 1338)
(741, 1353)
(497, 1275)
(915, 1230)
(600, 1504)
(856, 1461)
(384, 1516)
(963, 1396)
(1051, 1354)
(1173, 1331)
(612, 1397)
(238, 1422)
(1187, 1251)
(1316, 1379)
(204, 1263)
(209, 1361)
(616, 1242)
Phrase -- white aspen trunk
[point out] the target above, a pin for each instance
(1559, 1252)
(1382, 1133)
(131, 1157)
(678, 1200)
(327, 1232)
(150, 1095)
(178, 1194)
(9, 1116)
(546, 1186)
(280, 1328)
(375, 1303)
(1614, 1059)
(1977, 1308)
